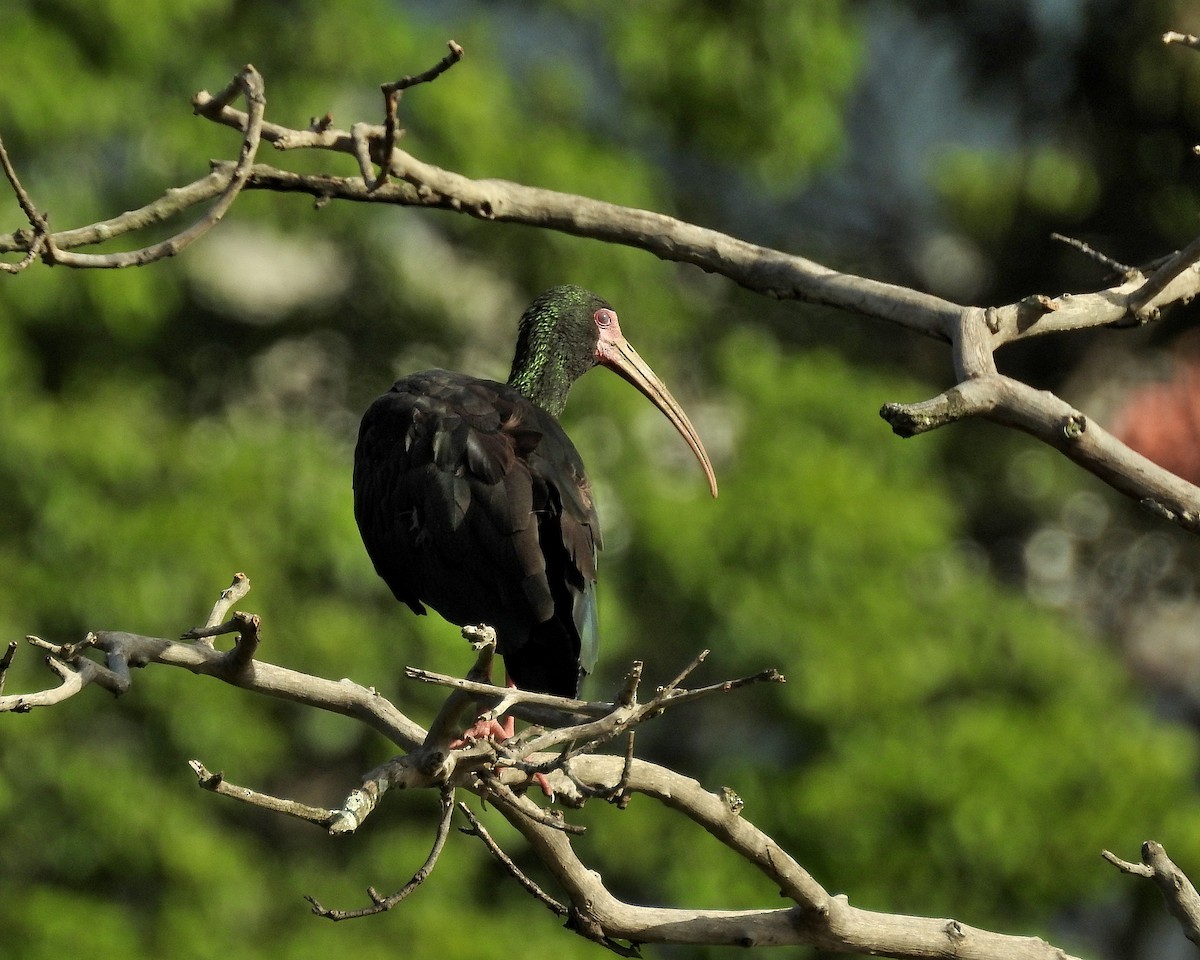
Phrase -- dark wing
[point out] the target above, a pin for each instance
(472, 500)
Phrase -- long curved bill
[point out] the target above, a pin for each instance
(616, 353)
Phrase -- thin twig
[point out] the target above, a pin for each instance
(685, 672)
(539, 707)
(477, 830)
(503, 794)
(1141, 301)
(41, 226)
(679, 697)
(1092, 253)
(382, 904)
(250, 84)
(215, 625)
(246, 625)
(391, 132)
(216, 783)
(1125, 866)
(449, 60)
(619, 793)
(237, 590)
(593, 734)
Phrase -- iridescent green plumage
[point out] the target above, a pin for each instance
(556, 345)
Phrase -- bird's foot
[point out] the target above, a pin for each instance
(486, 727)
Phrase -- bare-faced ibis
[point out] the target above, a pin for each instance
(471, 498)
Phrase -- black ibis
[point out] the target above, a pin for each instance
(471, 498)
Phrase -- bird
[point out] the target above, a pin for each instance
(472, 500)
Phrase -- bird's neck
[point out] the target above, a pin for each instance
(547, 362)
(542, 380)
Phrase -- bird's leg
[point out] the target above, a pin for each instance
(503, 729)
(487, 726)
(509, 727)
(483, 640)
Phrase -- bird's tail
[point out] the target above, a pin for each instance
(548, 661)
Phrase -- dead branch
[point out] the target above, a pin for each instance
(1178, 893)
(229, 596)
(477, 829)
(337, 696)
(812, 916)
(1043, 415)
(39, 223)
(216, 783)
(975, 334)
(1121, 269)
(391, 100)
(382, 904)
(45, 244)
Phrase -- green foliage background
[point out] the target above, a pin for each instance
(943, 745)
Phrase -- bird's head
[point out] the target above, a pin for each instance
(568, 330)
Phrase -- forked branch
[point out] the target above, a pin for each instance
(501, 774)
(45, 244)
(1180, 896)
(381, 904)
(974, 334)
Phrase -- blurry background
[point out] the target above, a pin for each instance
(992, 661)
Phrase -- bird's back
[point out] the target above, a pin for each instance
(473, 500)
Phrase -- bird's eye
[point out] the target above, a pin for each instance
(605, 317)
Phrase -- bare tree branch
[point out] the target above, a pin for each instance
(40, 226)
(974, 333)
(811, 917)
(477, 829)
(391, 100)
(381, 904)
(1121, 269)
(341, 696)
(816, 919)
(1178, 893)
(216, 783)
(225, 602)
(1041, 414)
(248, 83)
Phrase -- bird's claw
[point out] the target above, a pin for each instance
(544, 782)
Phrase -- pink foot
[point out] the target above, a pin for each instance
(485, 728)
